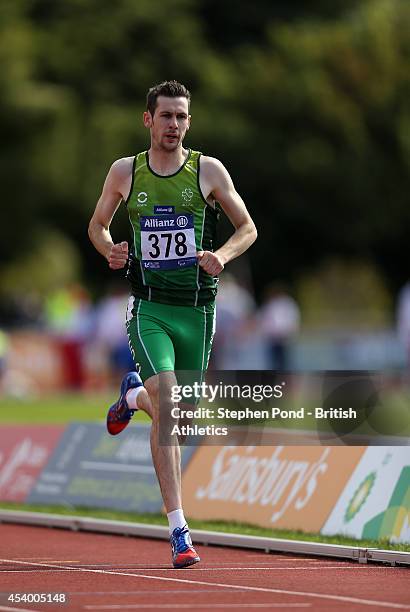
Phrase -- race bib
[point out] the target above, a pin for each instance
(168, 241)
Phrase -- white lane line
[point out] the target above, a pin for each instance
(198, 606)
(280, 557)
(204, 569)
(165, 566)
(130, 565)
(156, 566)
(261, 569)
(248, 569)
(365, 602)
(208, 569)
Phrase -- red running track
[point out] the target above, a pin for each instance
(111, 572)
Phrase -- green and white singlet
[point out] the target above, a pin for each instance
(171, 221)
(171, 313)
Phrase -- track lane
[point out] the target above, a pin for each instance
(109, 570)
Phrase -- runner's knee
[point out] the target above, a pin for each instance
(159, 388)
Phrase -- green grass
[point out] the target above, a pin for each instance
(58, 409)
(231, 527)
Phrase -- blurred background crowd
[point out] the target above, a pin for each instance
(306, 103)
(67, 341)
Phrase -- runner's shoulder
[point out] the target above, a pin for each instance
(119, 177)
(122, 168)
(210, 162)
(213, 172)
(210, 166)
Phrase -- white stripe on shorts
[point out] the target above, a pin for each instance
(141, 340)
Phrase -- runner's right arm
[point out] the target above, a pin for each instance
(114, 191)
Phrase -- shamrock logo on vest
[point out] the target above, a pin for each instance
(187, 194)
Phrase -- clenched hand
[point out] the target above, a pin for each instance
(210, 262)
(118, 255)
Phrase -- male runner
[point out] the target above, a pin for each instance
(171, 194)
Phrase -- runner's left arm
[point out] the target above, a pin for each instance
(220, 186)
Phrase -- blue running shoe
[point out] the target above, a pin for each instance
(119, 414)
(183, 553)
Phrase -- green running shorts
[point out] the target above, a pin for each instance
(165, 337)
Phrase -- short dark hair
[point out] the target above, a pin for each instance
(169, 89)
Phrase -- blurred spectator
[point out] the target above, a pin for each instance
(234, 306)
(279, 320)
(110, 330)
(69, 315)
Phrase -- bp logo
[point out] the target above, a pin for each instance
(359, 497)
(187, 194)
(182, 221)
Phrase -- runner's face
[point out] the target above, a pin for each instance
(170, 122)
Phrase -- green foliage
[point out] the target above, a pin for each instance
(306, 103)
(52, 262)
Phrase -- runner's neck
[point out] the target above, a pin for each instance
(166, 163)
